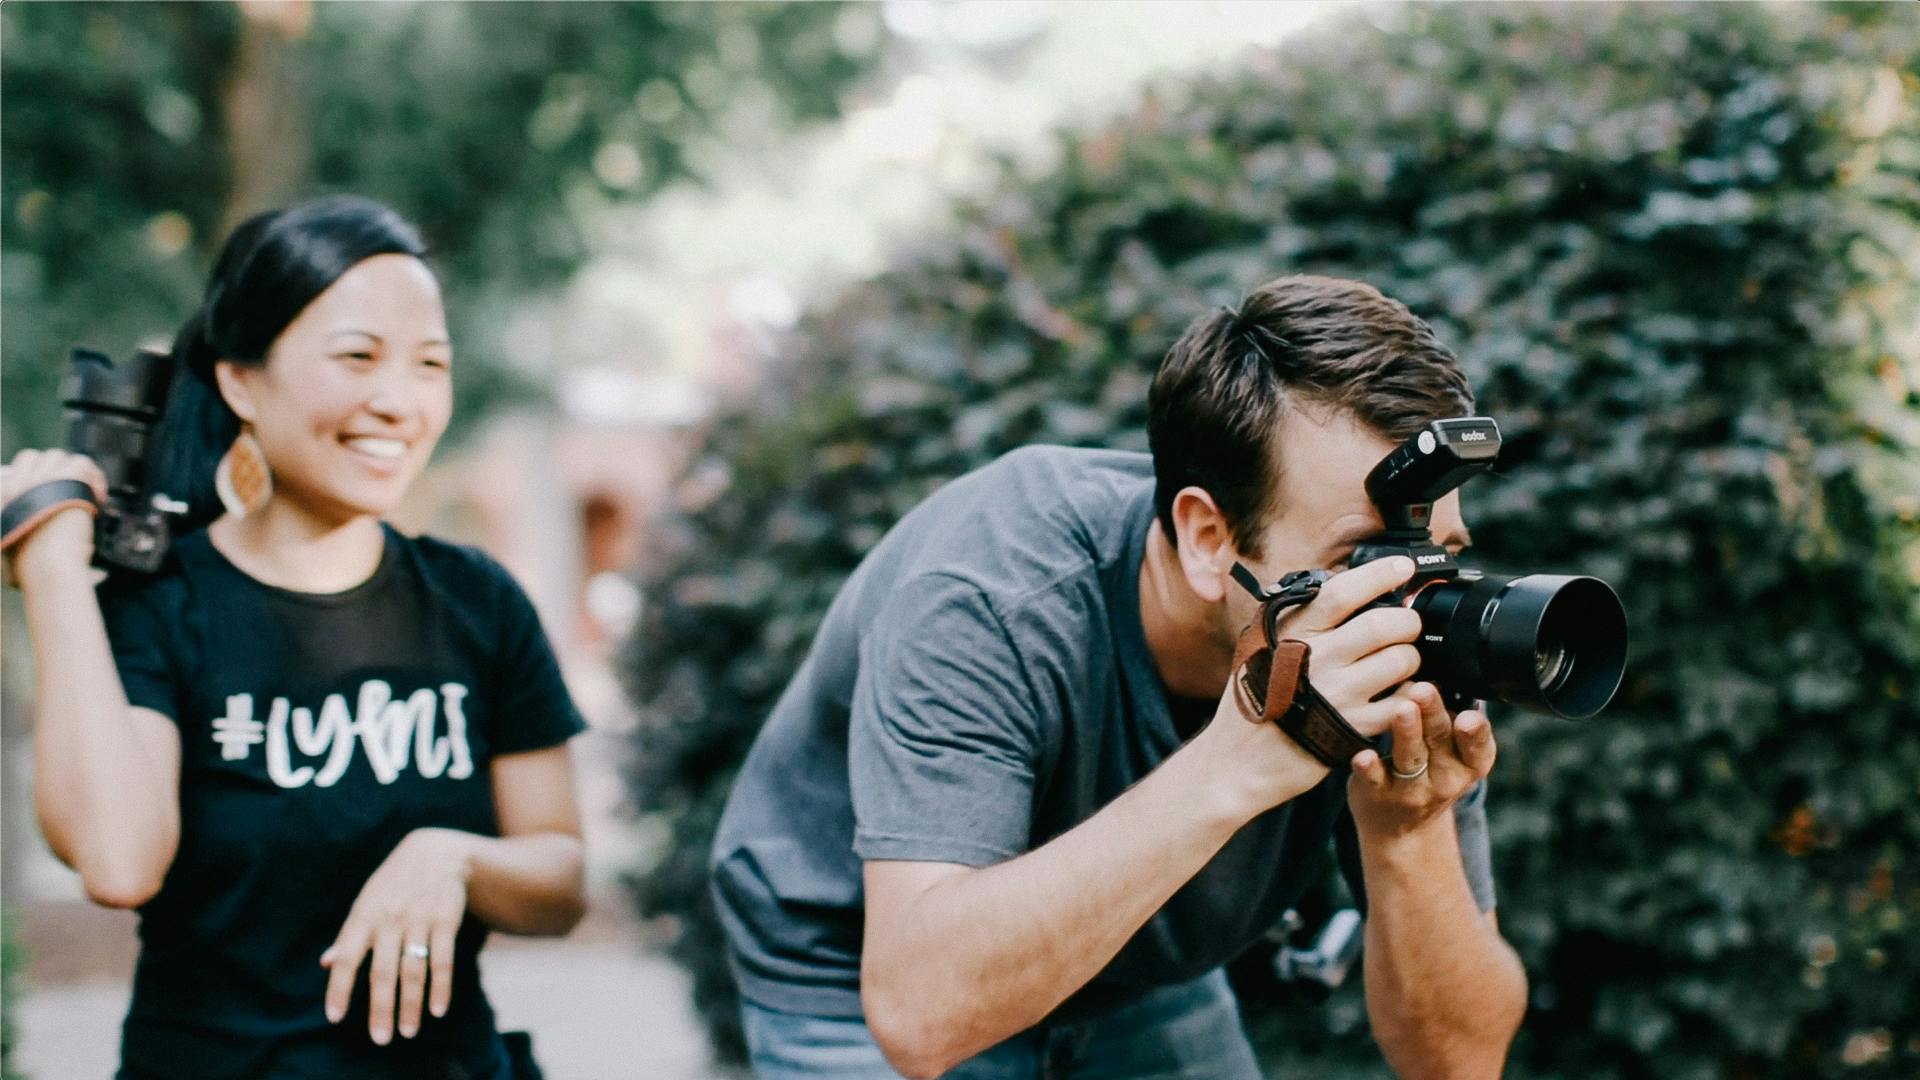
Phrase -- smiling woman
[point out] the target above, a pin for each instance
(350, 412)
(321, 757)
(322, 332)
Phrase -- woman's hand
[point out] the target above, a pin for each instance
(65, 536)
(405, 920)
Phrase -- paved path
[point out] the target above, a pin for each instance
(599, 1007)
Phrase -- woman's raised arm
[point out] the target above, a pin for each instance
(106, 774)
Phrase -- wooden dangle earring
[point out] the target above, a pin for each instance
(242, 478)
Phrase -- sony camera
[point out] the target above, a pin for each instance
(1551, 643)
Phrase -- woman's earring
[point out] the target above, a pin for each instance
(242, 478)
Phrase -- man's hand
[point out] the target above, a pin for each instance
(1438, 758)
(1355, 658)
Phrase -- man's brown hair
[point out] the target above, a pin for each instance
(1316, 342)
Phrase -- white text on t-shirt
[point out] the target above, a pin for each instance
(391, 732)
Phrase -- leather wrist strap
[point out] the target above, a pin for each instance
(1271, 685)
(24, 514)
(38, 503)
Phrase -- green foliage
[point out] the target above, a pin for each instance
(13, 956)
(109, 126)
(1676, 249)
(508, 126)
(505, 130)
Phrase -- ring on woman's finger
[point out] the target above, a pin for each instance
(418, 951)
(1414, 775)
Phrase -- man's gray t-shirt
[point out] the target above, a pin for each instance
(981, 685)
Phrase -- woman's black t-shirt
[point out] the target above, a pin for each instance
(316, 731)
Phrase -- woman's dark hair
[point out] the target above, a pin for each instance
(271, 268)
(1214, 410)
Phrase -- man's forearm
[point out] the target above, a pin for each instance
(1444, 992)
(984, 954)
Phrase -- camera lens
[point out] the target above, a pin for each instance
(1556, 644)
(1551, 665)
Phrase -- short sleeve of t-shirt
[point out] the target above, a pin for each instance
(943, 739)
(1476, 851)
(141, 634)
(534, 709)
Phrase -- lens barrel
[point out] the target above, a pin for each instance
(1550, 642)
(112, 408)
(135, 387)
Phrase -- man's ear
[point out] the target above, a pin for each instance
(1204, 543)
(236, 388)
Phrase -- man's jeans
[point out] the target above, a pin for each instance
(1188, 1031)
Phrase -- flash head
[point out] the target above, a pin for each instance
(1440, 457)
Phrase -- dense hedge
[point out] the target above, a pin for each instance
(1676, 249)
(12, 959)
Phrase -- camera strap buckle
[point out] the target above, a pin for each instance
(1298, 587)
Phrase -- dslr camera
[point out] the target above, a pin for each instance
(112, 410)
(1550, 643)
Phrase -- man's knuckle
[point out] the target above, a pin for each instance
(1363, 626)
(1408, 659)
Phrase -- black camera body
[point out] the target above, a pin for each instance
(1551, 643)
(112, 410)
(1404, 486)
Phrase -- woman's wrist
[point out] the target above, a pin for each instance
(57, 554)
(458, 849)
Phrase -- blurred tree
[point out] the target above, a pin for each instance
(11, 960)
(115, 169)
(136, 135)
(1678, 250)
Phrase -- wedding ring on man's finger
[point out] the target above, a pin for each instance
(1414, 775)
(418, 951)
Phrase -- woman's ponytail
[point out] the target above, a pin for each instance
(194, 431)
